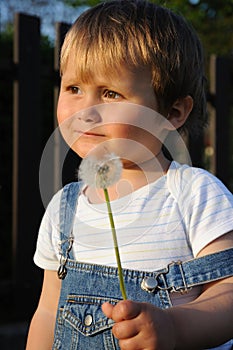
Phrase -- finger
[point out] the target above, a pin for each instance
(131, 344)
(140, 341)
(125, 329)
(107, 309)
(126, 310)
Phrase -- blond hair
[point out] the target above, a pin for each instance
(140, 35)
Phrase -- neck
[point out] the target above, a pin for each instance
(133, 177)
(147, 172)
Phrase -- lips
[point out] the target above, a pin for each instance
(88, 133)
(92, 134)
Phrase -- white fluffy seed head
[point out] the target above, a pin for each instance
(100, 172)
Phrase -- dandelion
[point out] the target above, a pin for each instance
(103, 172)
(100, 172)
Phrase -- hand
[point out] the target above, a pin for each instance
(140, 326)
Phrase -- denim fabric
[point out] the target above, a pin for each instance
(81, 323)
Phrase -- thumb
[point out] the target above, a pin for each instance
(126, 310)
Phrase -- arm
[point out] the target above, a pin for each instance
(209, 319)
(40, 336)
(203, 323)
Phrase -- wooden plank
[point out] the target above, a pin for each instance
(220, 87)
(196, 149)
(27, 205)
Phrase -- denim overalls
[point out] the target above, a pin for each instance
(81, 324)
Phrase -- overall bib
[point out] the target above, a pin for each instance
(80, 323)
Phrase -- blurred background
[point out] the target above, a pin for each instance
(31, 34)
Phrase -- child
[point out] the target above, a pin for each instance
(137, 55)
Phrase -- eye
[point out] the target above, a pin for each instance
(111, 94)
(75, 90)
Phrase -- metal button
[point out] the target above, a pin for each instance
(88, 320)
(149, 284)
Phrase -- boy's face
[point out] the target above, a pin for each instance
(108, 110)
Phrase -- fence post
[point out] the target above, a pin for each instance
(27, 206)
(220, 87)
(196, 149)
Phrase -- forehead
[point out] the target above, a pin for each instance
(88, 71)
(100, 53)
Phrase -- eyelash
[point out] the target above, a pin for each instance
(73, 89)
(110, 94)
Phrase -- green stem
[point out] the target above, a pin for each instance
(122, 285)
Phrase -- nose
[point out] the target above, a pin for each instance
(89, 116)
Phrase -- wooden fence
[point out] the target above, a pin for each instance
(20, 279)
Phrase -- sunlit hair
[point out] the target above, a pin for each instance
(138, 35)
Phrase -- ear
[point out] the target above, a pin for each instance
(180, 111)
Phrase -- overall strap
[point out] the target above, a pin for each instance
(68, 205)
(181, 276)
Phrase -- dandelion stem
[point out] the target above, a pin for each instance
(122, 285)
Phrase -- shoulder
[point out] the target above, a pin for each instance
(70, 189)
(186, 180)
(205, 203)
(52, 211)
(187, 174)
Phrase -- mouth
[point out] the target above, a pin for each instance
(89, 133)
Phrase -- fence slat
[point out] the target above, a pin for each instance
(220, 87)
(27, 206)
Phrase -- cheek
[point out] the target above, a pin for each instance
(130, 132)
(65, 109)
(119, 131)
(61, 116)
(139, 144)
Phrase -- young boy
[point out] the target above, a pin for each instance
(138, 58)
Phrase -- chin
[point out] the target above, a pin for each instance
(82, 151)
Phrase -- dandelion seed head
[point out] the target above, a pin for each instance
(100, 172)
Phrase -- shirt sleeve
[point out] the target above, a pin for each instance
(207, 207)
(47, 248)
